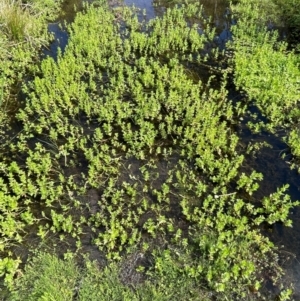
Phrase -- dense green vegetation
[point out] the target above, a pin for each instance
(52, 279)
(268, 73)
(123, 138)
(23, 33)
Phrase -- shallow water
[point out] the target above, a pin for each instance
(276, 173)
(268, 161)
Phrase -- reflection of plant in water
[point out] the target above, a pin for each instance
(120, 94)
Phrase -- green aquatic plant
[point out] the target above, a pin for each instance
(118, 113)
(269, 73)
(23, 31)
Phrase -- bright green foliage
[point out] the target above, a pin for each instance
(8, 268)
(22, 33)
(268, 73)
(264, 69)
(119, 113)
(93, 283)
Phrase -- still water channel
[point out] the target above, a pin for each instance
(268, 161)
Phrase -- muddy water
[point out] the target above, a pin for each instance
(276, 171)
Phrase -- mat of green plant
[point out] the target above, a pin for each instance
(120, 113)
(23, 32)
(268, 70)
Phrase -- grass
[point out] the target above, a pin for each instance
(22, 21)
(17, 22)
(48, 278)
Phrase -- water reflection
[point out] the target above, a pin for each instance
(143, 4)
(60, 40)
(216, 10)
(58, 30)
(69, 9)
